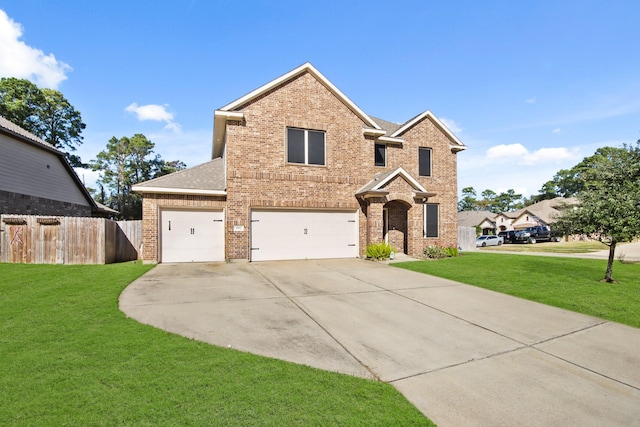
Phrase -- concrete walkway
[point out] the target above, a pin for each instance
(463, 355)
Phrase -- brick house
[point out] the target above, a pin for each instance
(300, 171)
(36, 178)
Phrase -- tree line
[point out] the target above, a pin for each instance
(125, 162)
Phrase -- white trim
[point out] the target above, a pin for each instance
(373, 132)
(229, 115)
(167, 190)
(405, 175)
(460, 146)
(390, 140)
(306, 67)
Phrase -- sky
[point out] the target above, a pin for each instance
(529, 87)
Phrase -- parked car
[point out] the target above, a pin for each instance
(535, 234)
(508, 236)
(483, 241)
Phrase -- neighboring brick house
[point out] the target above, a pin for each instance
(300, 171)
(36, 179)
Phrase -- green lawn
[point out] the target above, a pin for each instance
(569, 283)
(552, 247)
(68, 356)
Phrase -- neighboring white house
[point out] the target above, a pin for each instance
(541, 213)
(482, 219)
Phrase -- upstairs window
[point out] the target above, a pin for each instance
(305, 147)
(430, 220)
(424, 161)
(380, 156)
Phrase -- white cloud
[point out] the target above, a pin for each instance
(155, 112)
(19, 60)
(507, 151)
(451, 125)
(557, 131)
(150, 112)
(519, 154)
(531, 100)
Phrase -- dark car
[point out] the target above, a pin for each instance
(508, 236)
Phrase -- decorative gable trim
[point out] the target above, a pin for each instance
(456, 144)
(375, 187)
(304, 68)
(400, 172)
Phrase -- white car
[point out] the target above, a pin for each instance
(483, 241)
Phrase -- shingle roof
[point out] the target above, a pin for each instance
(547, 210)
(12, 127)
(474, 218)
(390, 127)
(208, 176)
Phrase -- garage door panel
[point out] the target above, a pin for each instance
(298, 234)
(192, 236)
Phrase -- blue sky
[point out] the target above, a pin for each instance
(529, 87)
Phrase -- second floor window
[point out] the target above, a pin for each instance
(424, 161)
(380, 155)
(305, 147)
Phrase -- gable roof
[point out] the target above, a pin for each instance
(456, 144)
(375, 187)
(385, 131)
(207, 178)
(546, 210)
(229, 111)
(19, 134)
(474, 218)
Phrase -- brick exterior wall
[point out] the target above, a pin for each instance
(153, 203)
(259, 176)
(14, 203)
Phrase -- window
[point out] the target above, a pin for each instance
(424, 161)
(305, 147)
(380, 155)
(430, 220)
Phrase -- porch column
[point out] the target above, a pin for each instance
(374, 222)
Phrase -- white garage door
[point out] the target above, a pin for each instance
(192, 236)
(302, 234)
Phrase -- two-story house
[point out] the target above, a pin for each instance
(299, 171)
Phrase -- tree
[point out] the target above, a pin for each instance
(491, 201)
(125, 163)
(609, 201)
(468, 201)
(44, 112)
(506, 202)
(569, 182)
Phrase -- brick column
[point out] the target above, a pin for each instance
(374, 222)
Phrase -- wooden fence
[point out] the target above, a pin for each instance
(68, 240)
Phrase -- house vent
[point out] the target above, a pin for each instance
(48, 221)
(14, 221)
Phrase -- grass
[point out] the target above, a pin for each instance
(70, 357)
(551, 247)
(570, 283)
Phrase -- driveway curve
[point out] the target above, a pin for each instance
(461, 354)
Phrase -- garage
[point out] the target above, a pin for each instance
(192, 235)
(303, 234)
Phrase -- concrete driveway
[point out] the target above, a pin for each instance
(463, 355)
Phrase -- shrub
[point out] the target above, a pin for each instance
(380, 250)
(434, 252)
(437, 251)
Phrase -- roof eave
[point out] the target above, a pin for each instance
(167, 190)
(306, 67)
(220, 119)
(428, 114)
